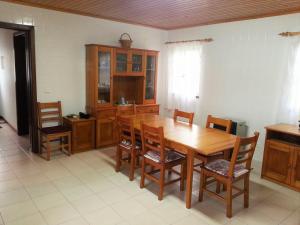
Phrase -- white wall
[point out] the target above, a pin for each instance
(60, 48)
(244, 68)
(7, 78)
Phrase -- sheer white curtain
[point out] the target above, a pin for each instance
(289, 107)
(184, 75)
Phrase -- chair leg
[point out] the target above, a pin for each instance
(142, 184)
(132, 165)
(70, 144)
(118, 159)
(202, 185)
(182, 176)
(246, 191)
(48, 149)
(229, 200)
(218, 187)
(161, 183)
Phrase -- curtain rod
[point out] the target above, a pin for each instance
(198, 40)
(289, 34)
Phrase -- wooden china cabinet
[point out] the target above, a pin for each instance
(118, 77)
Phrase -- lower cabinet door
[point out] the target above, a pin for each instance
(279, 161)
(106, 132)
(295, 179)
(84, 136)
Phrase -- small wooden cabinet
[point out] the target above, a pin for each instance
(281, 162)
(114, 75)
(83, 133)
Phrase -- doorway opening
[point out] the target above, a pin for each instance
(25, 83)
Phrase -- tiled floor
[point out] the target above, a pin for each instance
(84, 189)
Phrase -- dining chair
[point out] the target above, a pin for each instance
(220, 124)
(158, 157)
(128, 143)
(185, 115)
(51, 129)
(228, 172)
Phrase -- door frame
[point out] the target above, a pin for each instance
(31, 80)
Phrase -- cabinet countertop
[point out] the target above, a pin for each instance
(285, 128)
(79, 119)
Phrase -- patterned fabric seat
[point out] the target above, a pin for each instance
(127, 144)
(221, 167)
(169, 157)
(55, 129)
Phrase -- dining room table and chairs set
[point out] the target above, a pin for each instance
(162, 143)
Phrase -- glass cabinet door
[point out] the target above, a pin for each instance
(137, 63)
(121, 62)
(104, 76)
(150, 77)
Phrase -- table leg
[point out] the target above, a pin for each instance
(189, 179)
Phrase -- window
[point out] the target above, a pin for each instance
(184, 73)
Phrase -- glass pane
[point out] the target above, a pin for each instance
(121, 62)
(137, 63)
(150, 77)
(104, 77)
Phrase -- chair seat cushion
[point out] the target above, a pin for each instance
(170, 156)
(127, 144)
(55, 129)
(221, 166)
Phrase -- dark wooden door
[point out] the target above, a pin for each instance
(279, 161)
(21, 83)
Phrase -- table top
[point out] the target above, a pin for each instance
(285, 128)
(202, 140)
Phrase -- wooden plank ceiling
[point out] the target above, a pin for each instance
(170, 14)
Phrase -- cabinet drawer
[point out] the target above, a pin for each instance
(274, 144)
(104, 114)
(147, 109)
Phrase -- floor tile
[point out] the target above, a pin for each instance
(60, 214)
(113, 195)
(76, 221)
(41, 189)
(17, 211)
(35, 219)
(128, 209)
(88, 204)
(14, 196)
(49, 201)
(77, 192)
(105, 216)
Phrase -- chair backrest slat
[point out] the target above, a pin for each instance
(218, 123)
(126, 129)
(153, 140)
(242, 156)
(186, 115)
(49, 112)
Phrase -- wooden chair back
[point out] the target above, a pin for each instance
(126, 130)
(219, 123)
(49, 113)
(182, 114)
(243, 152)
(126, 110)
(153, 140)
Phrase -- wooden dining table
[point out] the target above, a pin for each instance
(188, 140)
